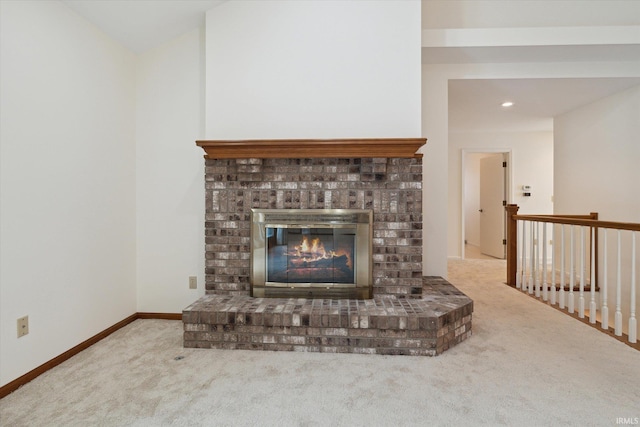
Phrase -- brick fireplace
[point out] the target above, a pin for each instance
(391, 187)
(380, 176)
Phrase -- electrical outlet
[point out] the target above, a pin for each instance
(193, 282)
(23, 326)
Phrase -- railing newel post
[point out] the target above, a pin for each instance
(512, 244)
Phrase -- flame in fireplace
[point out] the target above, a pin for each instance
(312, 251)
(316, 247)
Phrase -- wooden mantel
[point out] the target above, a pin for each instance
(311, 148)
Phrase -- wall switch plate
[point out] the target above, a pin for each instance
(23, 326)
(193, 282)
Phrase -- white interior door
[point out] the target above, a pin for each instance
(492, 213)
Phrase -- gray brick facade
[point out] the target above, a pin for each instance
(391, 187)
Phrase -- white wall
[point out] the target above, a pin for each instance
(67, 168)
(596, 170)
(435, 126)
(531, 164)
(313, 69)
(597, 154)
(170, 174)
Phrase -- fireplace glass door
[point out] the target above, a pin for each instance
(310, 255)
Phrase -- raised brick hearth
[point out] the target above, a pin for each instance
(408, 314)
(383, 325)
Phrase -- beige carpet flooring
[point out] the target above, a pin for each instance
(525, 365)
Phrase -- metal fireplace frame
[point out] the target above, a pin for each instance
(360, 220)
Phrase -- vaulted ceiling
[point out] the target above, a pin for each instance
(141, 25)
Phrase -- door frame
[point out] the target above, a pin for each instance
(507, 152)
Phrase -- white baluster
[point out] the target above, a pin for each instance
(532, 272)
(537, 276)
(572, 273)
(553, 265)
(582, 274)
(519, 260)
(605, 281)
(618, 315)
(592, 305)
(524, 256)
(633, 324)
(562, 278)
(545, 292)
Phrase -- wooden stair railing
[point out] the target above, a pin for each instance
(512, 233)
(529, 274)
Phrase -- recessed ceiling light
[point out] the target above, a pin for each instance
(507, 104)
